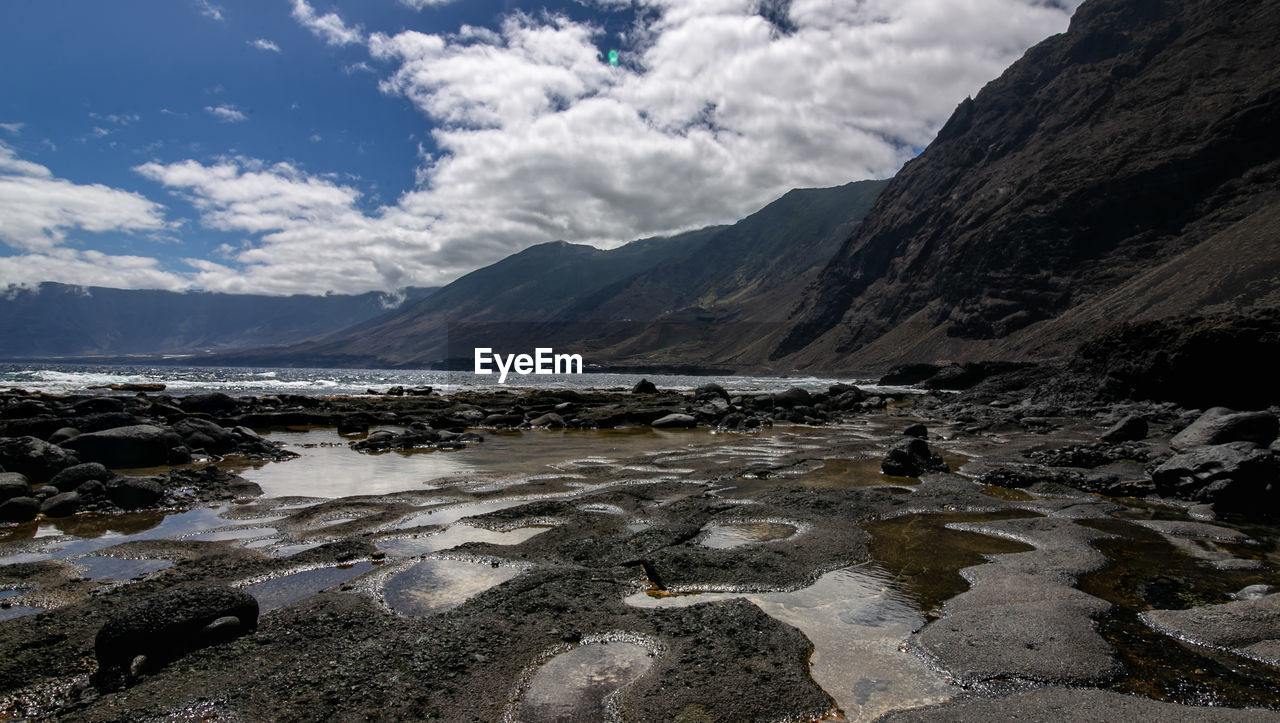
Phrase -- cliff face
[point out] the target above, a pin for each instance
(1126, 169)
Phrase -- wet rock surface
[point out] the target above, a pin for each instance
(573, 539)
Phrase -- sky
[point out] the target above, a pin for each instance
(344, 146)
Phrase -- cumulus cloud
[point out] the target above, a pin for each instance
(37, 209)
(311, 234)
(226, 113)
(328, 27)
(264, 44)
(717, 107)
(88, 268)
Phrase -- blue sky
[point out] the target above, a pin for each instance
(305, 146)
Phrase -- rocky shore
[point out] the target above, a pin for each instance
(1061, 554)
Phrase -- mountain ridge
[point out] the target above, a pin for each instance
(62, 320)
(1054, 188)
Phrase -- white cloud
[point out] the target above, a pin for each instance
(312, 235)
(328, 27)
(209, 10)
(264, 44)
(421, 4)
(714, 110)
(88, 268)
(120, 119)
(13, 128)
(226, 113)
(37, 209)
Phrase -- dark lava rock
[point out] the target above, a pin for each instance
(62, 434)
(133, 493)
(911, 457)
(550, 420)
(24, 409)
(912, 373)
(13, 484)
(1129, 429)
(44, 492)
(72, 477)
(354, 424)
(711, 389)
(384, 440)
(677, 420)
(1028, 475)
(847, 398)
(97, 405)
(951, 377)
(35, 458)
(793, 397)
(1089, 456)
(167, 625)
(916, 430)
(216, 404)
(204, 435)
(61, 505)
(1236, 476)
(141, 445)
(644, 386)
(92, 488)
(19, 509)
(502, 420)
(105, 420)
(1220, 425)
(1196, 361)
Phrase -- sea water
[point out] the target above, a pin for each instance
(237, 381)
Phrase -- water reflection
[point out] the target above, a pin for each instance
(281, 591)
(856, 619)
(433, 586)
(105, 567)
(577, 685)
(726, 535)
(328, 468)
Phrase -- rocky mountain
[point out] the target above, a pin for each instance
(685, 301)
(1124, 171)
(57, 320)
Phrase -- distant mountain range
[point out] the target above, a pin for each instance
(1124, 171)
(664, 302)
(57, 320)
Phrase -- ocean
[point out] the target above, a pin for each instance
(238, 381)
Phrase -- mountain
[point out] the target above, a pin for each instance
(679, 301)
(57, 320)
(1123, 171)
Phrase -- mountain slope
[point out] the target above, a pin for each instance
(530, 286)
(1077, 188)
(749, 268)
(61, 320)
(604, 304)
